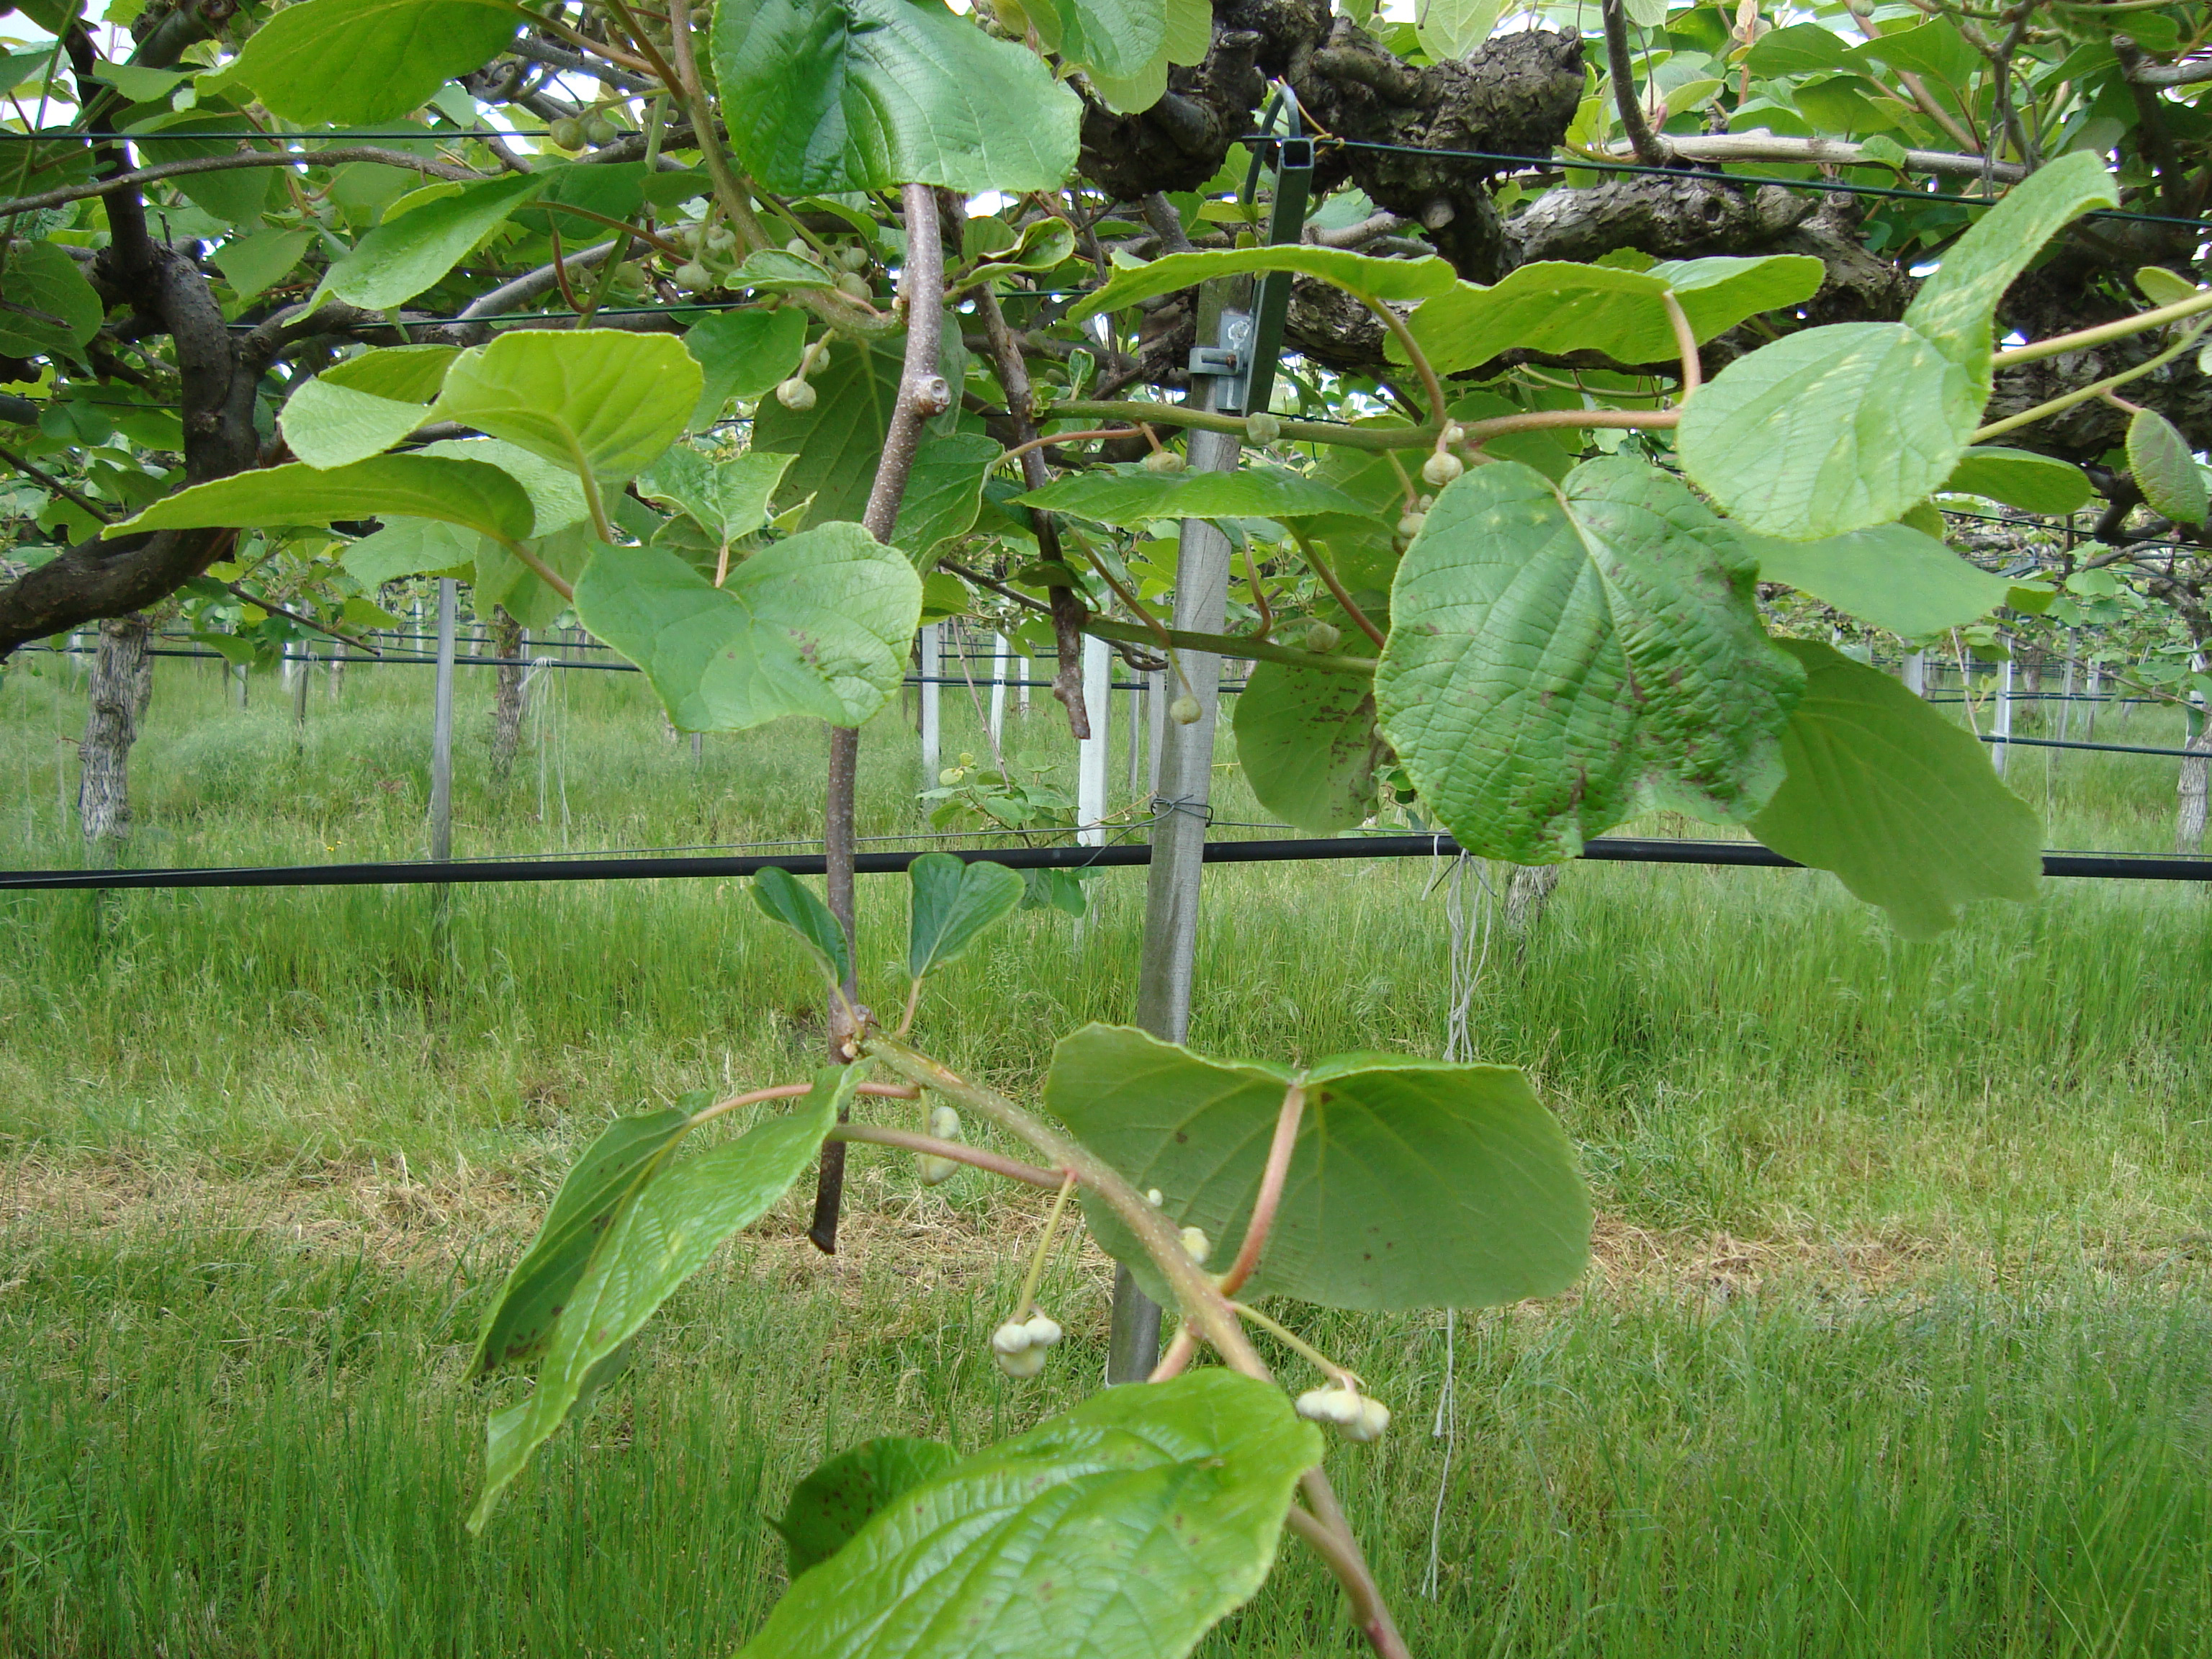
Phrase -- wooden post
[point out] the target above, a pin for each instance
(1181, 805)
(442, 729)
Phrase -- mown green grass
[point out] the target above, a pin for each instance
(1898, 1342)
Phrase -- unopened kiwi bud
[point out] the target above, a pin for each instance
(1263, 428)
(853, 286)
(1184, 710)
(1322, 637)
(799, 247)
(600, 130)
(854, 256)
(565, 132)
(1026, 1363)
(1409, 526)
(1010, 1338)
(1163, 460)
(1196, 1245)
(1044, 1329)
(692, 276)
(795, 394)
(1441, 468)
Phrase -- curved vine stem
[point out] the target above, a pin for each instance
(1432, 388)
(1686, 342)
(907, 1140)
(1270, 1190)
(2056, 405)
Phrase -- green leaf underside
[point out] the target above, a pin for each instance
(1832, 431)
(1358, 273)
(1116, 38)
(466, 493)
(661, 1237)
(556, 500)
(817, 625)
(1552, 306)
(1893, 577)
(359, 62)
(945, 490)
(594, 1193)
(1901, 805)
(42, 277)
(329, 425)
(839, 441)
(504, 580)
(825, 95)
(1414, 1183)
(2164, 470)
(729, 497)
(1131, 1525)
(407, 375)
(954, 900)
(743, 355)
(1955, 307)
(1132, 495)
(782, 897)
(600, 400)
(411, 547)
(841, 1495)
(2020, 478)
(1307, 742)
(1562, 658)
(401, 257)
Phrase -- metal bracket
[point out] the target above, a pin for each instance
(1229, 362)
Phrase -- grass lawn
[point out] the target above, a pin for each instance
(1897, 1342)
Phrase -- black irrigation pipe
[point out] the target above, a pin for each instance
(1609, 849)
(2108, 748)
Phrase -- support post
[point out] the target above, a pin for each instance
(1184, 771)
(442, 729)
(1916, 672)
(998, 691)
(1093, 753)
(932, 735)
(2000, 752)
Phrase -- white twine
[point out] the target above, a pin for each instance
(547, 715)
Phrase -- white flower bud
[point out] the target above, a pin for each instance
(1163, 460)
(1155, 1197)
(1010, 1338)
(799, 247)
(1409, 525)
(1196, 1245)
(1453, 434)
(853, 286)
(1184, 710)
(1322, 637)
(1314, 1405)
(1367, 1421)
(854, 256)
(1044, 1330)
(1028, 1363)
(1263, 428)
(1441, 468)
(795, 394)
(944, 1124)
(692, 276)
(936, 1171)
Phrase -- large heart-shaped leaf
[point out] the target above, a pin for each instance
(1307, 744)
(402, 257)
(1553, 306)
(594, 1191)
(843, 1494)
(954, 902)
(328, 425)
(1955, 307)
(1114, 38)
(658, 1239)
(602, 402)
(1562, 657)
(358, 61)
(556, 500)
(1902, 805)
(1414, 1183)
(816, 625)
(1894, 577)
(1363, 274)
(466, 493)
(1127, 1526)
(412, 547)
(1131, 494)
(825, 95)
(943, 492)
(1832, 431)
(839, 440)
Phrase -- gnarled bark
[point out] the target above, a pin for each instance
(116, 702)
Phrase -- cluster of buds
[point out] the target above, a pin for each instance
(795, 394)
(1019, 1345)
(1443, 466)
(1344, 1408)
